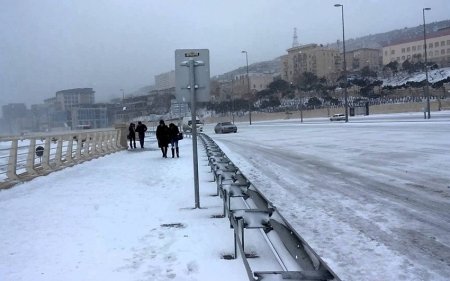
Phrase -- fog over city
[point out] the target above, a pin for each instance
(108, 45)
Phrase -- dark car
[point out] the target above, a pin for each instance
(225, 127)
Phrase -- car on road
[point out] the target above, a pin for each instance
(338, 117)
(225, 127)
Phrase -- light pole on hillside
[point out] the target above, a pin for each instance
(345, 62)
(248, 90)
(427, 90)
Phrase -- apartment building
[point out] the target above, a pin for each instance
(360, 58)
(258, 82)
(438, 49)
(320, 60)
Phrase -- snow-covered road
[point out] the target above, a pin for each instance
(373, 199)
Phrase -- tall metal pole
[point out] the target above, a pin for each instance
(345, 62)
(427, 90)
(248, 90)
(194, 130)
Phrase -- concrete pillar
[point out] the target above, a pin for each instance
(123, 128)
(12, 162)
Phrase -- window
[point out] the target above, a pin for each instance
(436, 44)
(419, 48)
(403, 50)
(413, 48)
(448, 51)
(430, 45)
(436, 53)
(385, 53)
(392, 52)
(442, 43)
(442, 52)
(408, 49)
(448, 42)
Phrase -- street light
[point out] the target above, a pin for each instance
(248, 90)
(427, 93)
(345, 62)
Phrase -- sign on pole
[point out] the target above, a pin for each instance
(201, 63)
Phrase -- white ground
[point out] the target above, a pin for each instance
(372, 198)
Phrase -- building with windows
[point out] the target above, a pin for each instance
(320, 60)
(89, 117)
(438, 49)
(364, 57)
(258, 82)
(66, 99)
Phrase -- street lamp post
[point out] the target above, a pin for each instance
(427, 90)
(345, 63)
(248, 90)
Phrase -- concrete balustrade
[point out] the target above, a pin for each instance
(19, 160)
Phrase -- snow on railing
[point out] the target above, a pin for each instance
(25, 157)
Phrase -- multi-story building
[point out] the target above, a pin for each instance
(67, 99)
(258, 82)
(89, 116)
(165, 80)
(438, 49)
(320, 60)
(360, 58)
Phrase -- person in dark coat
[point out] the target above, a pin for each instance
(162, 134)
(141, 129)
(132, 135)
(174, 137)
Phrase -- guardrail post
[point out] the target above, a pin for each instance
(58, 154)
(46, 156)
(122, 136)
(79, 147)
(69, 158)
(12, 162)
(31, 156)
(103, 141)
(87, 146)
(96, 143)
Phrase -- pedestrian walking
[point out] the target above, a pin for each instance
(141, 129)
(132, 135)
(174, 134)
(162, 134)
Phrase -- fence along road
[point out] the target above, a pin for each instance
(23, 158)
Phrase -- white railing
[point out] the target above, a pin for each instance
(25, 157)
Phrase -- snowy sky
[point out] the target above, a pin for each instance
(109, 45)
(374, 206)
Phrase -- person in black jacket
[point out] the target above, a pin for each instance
(162, 134)
(174, 137)
(132, 135)
(141, 129)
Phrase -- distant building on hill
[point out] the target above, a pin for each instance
(438, 49)
(320, 60)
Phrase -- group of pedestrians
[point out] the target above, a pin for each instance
(168, 134)
(164, 134)
(132, 130)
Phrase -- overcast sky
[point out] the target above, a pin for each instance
(51, 45)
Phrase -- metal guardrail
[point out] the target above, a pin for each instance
(25, 157)
(254, 211)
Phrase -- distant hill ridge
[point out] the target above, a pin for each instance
(375, 41)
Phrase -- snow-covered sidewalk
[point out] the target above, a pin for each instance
(125, 216)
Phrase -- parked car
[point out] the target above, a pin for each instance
(338, 117)
(225, 127)
(186, 125)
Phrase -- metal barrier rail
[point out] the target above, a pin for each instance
(25, 157)
(256, 212)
